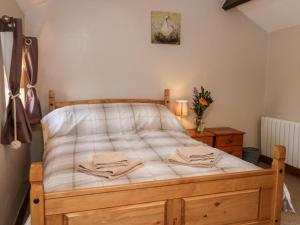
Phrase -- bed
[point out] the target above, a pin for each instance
(232, 192)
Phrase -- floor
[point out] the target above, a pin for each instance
(293, 184)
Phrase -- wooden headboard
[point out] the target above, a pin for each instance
(53, 104)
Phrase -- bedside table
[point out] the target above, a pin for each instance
(228, 139)
(205, 137)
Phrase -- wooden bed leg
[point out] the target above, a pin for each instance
(51, 100)
(167, 98)
(37, 194)
(279, 153)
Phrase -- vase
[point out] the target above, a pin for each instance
(200, 125)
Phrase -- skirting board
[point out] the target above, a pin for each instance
(289, 169)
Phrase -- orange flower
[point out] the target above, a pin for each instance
(202, 101)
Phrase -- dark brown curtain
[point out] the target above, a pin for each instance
(24, 133)
(32, 106)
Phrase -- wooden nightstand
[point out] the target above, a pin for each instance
(228, 139)
(205, 137)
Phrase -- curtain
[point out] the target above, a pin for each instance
(32, 103)
(17, 127)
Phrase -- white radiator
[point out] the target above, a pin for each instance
(281, 132)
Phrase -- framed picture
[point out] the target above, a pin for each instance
(165, 28)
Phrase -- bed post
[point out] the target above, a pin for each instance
(37, 194)
(51, 100)
(279, 153)
(167, 98)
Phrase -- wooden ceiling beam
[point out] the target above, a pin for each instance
(229, 4)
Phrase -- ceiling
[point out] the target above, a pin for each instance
(273, 15)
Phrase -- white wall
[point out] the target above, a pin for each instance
(102, 49)
(283, 75)
(14, 164)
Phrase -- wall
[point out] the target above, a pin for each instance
(91, 49)
(283, 75)
(13, 163)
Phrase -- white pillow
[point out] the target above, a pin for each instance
(113, 118)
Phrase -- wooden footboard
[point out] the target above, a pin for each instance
(247, 198)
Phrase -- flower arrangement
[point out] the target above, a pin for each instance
(201, 101)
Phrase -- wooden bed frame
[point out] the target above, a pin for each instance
(53, 104)
(244, 198)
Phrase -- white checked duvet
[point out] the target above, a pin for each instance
(149, 132)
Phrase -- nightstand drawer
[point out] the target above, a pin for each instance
(229, 140)
(233, 150)
(207, 140)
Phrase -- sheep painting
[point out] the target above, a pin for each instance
(165, 28)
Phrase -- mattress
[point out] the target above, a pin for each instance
(64, 153)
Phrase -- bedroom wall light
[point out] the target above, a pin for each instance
(181, 108)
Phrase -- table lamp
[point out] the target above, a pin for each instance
(181, 108)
